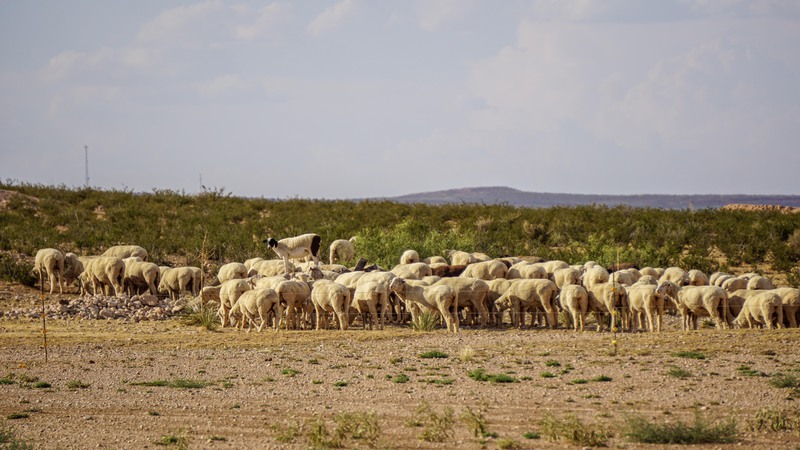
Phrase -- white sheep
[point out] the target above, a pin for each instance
(647, 279)
(758, 282)
(414, 271)
(50, 262)
(574, 299)
(733, 283)
(294, 294)
(527, 270)
(409, 257)
(229, 293)
(497, 288)
(790, 298)
(441, 299)
(73, 267)
(698, 278)
(258, 303)
(126, 251)
(553, 265)
(712, 279)
(485, 270)
(644, 300)
(176, 280)
(298, 247)
(566, 276)
(269, 268)
(594, 275)
(460, 258)
(759, 309)
(675, 275)
(471, 293)
(106, 272)
(141, 275)
(695, 301)
(329, 296)
(431, 260)
(608, 298)
(342, 250)
(366, 299)
(532, 293)
(654, 272)
(250, 262)
(231, 271)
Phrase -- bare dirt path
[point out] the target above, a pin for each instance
(231, 389)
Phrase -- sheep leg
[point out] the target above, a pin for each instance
(278, 310)
(373, 314)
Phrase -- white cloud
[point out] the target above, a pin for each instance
(268, 17)
(171, 23)
(331, 17)
(222, 85)
(432, 15)
(66, 63)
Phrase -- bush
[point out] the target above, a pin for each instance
(15, 271)
(199, 314)
(639, 429)
(434, 354)
(573, 431)
(425, 322)
(436, 427)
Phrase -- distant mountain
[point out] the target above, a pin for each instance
(515, 197)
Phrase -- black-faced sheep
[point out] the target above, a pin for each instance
(298, 247)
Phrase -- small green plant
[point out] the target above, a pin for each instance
(286, 434)
(9, 441)
(747, 371)
(8, 379)
(319, 436)
(15, 416)
(173, 441)
(579, 381)
(467, 354)
(400, 378)
(436, 427)
(434, 354)
(77, 384)
(340, 383)
(361, 426)
(153, 413)
(218, 438)
(480, 374)
(639, 429)
(602, 378)
(773, 420)
(573, 431)
(316, 381)
(42, 385)
(425, 322)
(199, 314)
(289, 372)
(313, 361)
(689, 354)
(508, 444)
(177, 383)
(780, 380)
(677, 372)
(531, 435)
(475, 420)
(236, 406)
(227, 384)
(552, 363)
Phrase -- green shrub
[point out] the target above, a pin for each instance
(434, 354)
(425, 322)
(677, 372)
(16, 271)
(573, 431)
(774, 420)
(781, 380)
(199, 314)
(689, 354)
(639, 429)
(400, 378)
(436, 427)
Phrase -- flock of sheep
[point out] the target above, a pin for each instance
(299, 292)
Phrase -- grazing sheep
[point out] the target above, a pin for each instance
(329, 296)
(440, 298)
(594, 275)
(50, 262)
(675, 275)
(267, 282)
(229, 293)
(305, 245)
(497, 288)
(294, 294)
(712, 279)
(210, 294)
(551, 266)
(231, 271)
(251, 262)
(698, 278)
(533, 271)
(366, 299)
(621, 277)
(414, 271)
(652, 271)
(696, 301)
(759, 308)
(470, 292)
(176, 280)
(342, 250)
(269, 268)
(758, 282)
(140, 275)
(460, 258)
(529, 293)
(790, 298)
(126, 251)
(647, 279)
(107, 272)
(574, 299)
(605, 298)
(566, 276)
(434, 260)
(645, 300)
(258, 303)
(409, 257)
(733, 284)
(73, 268)
(485, 270)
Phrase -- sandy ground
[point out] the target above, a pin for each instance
(258, 385)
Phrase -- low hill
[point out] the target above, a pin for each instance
(515, 197)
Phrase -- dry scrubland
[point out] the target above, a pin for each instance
(114, 385)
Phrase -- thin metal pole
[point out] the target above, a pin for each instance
(86, 155)
(44, 319)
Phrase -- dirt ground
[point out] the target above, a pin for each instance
(103, 385)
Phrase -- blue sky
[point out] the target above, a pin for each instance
(357, 98)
